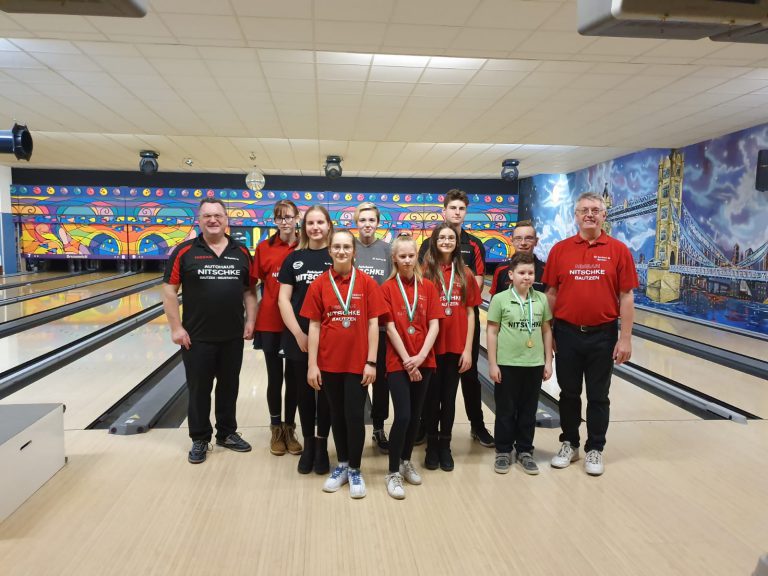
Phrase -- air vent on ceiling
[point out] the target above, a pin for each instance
(669, 19)
(124, 8)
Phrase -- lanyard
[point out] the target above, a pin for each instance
(529, 320)
(447, 291)
(344, 305)
(410, 308)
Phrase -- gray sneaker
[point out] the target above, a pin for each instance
(198, 451)
(528, 463)
(502, 463)
(565, 456)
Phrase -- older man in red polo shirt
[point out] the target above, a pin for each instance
(590, 279)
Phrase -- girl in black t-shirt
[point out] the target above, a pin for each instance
(299, 270)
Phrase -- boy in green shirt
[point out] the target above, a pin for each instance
(519, 339)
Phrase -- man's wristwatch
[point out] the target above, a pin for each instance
(371, 363)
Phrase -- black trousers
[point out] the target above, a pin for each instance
(274, 364)
(408, 401)
(346, 397)
(440, 406)
(470, 383)
(313, 405)
(380, 392)
(588, 358)
(517, 400)
(204, 362)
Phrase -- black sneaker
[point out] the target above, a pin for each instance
(381, 441)
(482, 435)
(198, 451)
(307, 458)
(321, 465)
(446, 459)
(234, 442)
(431, 459)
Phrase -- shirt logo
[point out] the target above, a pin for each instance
(298, 265)
(205, 257)
(602, 258)
(230, 258)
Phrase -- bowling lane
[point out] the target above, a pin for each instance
(737, 343)
(62, 283)
(35, 305)
(95, 382)
(628, 402)
(23, 346)
(31, 277)
(736, 388)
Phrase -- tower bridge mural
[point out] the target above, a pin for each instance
(696, 225)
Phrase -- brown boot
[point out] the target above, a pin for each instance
(277, 443)
(289, 436)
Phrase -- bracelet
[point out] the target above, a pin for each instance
(371, 363)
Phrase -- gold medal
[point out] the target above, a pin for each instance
(529, 343)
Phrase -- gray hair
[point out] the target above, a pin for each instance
(590, 196)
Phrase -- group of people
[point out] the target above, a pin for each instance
(338, 314)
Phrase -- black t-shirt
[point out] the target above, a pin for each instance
(212, 288)
(300, 269)
(472, 252)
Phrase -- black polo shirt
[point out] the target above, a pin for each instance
(212, 286)
(472, 252)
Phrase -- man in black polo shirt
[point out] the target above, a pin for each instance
(473, 253)
(214, 270)
(524, 239)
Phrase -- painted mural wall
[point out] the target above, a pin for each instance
(692, 217)
(130, 223)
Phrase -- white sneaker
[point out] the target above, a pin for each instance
(408, 471)
(593, 463)
(565, 456)
(395, 486)
(356, 484)
(337, 479)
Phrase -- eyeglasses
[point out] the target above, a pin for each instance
(585, 211)
(340, 248)
(527, 239)
(283, 219)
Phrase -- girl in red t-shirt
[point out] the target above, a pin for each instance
(270, 255)
(459, 294)
(343, 307)
(413, 313)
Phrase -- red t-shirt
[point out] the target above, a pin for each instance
(270, 255)
(453, 329)
(427, 308)
(589, 278)
(343, 349)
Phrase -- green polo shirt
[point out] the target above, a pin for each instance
(513, 332)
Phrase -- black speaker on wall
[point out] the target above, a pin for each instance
(761, 175)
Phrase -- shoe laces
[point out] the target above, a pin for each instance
(408, 467)
(338, 471)
(200, 445)
(594, 457)
(355, 477)
(396, 480)
(565, 450)
(502, 458)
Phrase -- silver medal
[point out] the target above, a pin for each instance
(346, 323)
(411, 330)
(448, 311)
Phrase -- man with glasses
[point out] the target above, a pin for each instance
(590, 279)
(219, 313)
(373, 256)
(524, 239)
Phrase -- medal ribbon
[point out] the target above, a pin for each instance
(344, 305)
(529, 320)
(410, 308)
(446, 293)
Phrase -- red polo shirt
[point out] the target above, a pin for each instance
(270, 255)
(589, 278)
(343, 349)
(453, 329)
(427, 308)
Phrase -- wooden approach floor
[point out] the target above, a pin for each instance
(680, 496)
